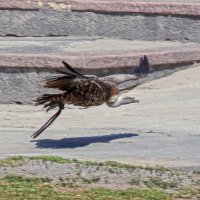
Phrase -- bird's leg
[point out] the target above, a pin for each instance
(61, 105)
(50, 121)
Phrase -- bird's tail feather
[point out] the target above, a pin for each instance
(73, 71)
(143, 68)
(50, 101)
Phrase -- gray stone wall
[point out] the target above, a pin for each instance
(21, 87)
(50, 22)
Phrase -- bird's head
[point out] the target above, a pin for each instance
(127, 100)
(122, 100)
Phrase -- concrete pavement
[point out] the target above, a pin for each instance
(163, 129)
(102, 38)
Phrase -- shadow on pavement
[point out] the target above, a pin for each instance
(79, 141)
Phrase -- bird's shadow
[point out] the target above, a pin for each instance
(79, 141)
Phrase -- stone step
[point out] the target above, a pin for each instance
(180, 7)
(135, 20)
(36, 58)
(93, 53)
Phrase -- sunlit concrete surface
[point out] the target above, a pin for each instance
(163, 129)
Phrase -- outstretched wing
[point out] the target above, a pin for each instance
(141, 71)
(143, 68)
(70, 77)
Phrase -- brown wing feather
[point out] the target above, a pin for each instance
(78, 90)
(90, 92)
(60, 83)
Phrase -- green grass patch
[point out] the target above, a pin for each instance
(197, 182)
(188, 193)
(13, 161)
(136, 180)
(56, 159)
(159, 169)
(20, 160)
(91, 180)
(130, 194)
(158, 182)
(17, 187)
(19, 179)
(110, 164)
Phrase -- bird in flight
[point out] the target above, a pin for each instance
(87, 90)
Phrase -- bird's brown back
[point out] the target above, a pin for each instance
(83, 92)
(90, 92)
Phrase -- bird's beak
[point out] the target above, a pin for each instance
(136, 100)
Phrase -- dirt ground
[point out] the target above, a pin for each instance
(163, 129)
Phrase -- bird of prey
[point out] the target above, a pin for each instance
(87, 90)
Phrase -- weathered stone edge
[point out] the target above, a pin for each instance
(110, 6)
(126, 6)
(102, 60)
(20, 4)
